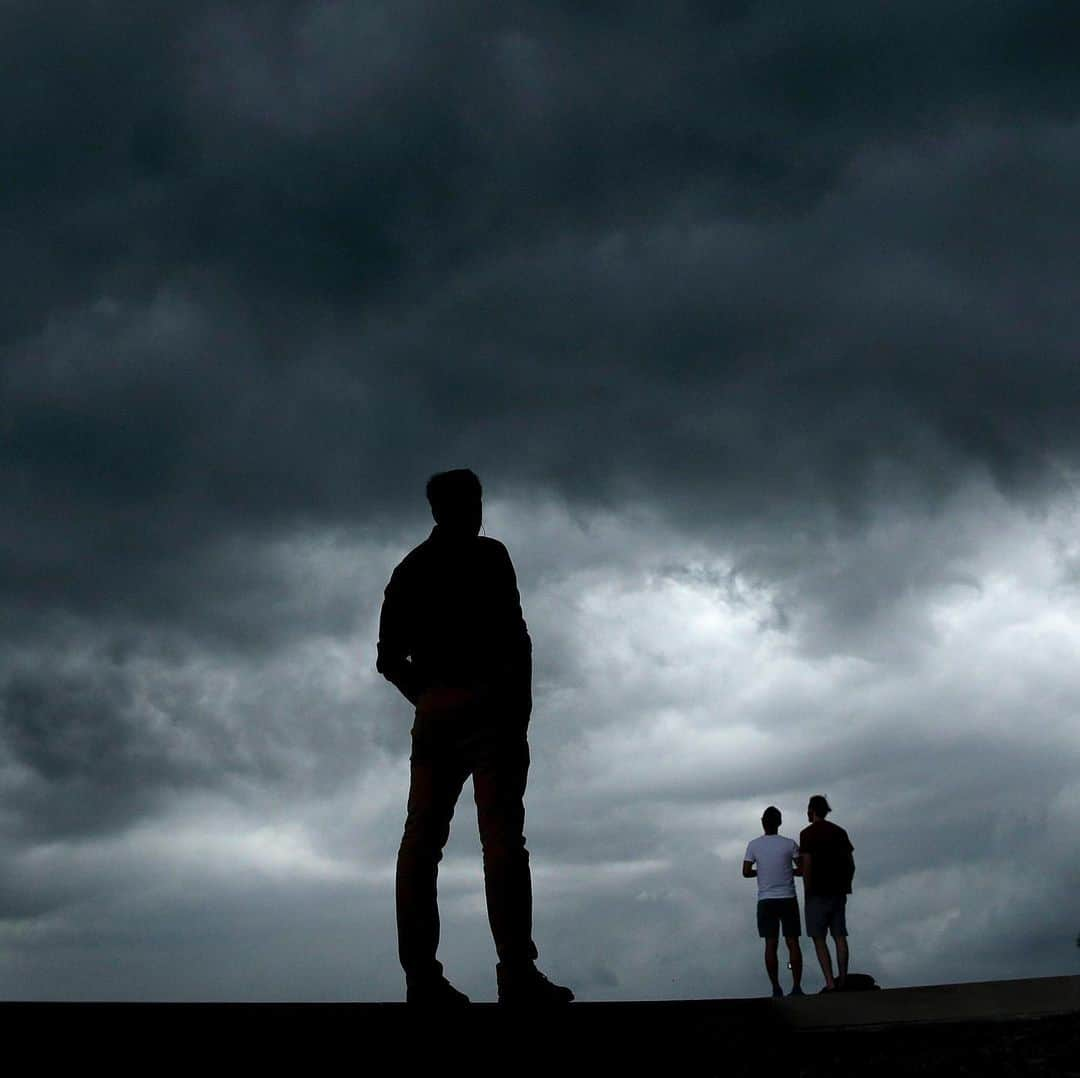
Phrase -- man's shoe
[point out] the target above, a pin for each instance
(777, 993)
(796, 991)
(437, 993)
(526, 986)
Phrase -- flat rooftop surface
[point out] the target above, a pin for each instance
(978, 1001)
(989, 1028)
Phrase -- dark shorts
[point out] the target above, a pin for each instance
(778, 917)
(826, 913)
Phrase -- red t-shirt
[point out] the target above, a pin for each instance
(831, 865)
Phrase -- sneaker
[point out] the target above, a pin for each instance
(796, 991)
(436, 993)
(527, 986)
(777, 993)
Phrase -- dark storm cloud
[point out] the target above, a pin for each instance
(754, 249)
(770, 274)
(71, 732)
(91, 746)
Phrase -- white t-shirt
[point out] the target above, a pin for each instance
(773, 855)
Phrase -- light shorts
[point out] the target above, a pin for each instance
(776, 916)
(826, 912)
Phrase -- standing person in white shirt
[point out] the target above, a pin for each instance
(774, 861)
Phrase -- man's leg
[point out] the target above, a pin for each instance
(792, 929)
(768, 926)
(499, 774)
(837, 918)
(499, 777)
(821, 946)
(841, 959)
(795, 954)
(817, 928)
(772, 966)
(433, 791)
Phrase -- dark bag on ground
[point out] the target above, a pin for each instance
(860, 982)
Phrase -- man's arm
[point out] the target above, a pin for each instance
(519, 631)
(393, 660)
(749, 865)
(518, 643)
(806, 864)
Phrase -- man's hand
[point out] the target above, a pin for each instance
(749, 870)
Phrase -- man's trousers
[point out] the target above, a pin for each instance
(448, 745)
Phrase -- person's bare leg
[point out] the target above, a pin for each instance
(821, 946)
(841, 958)
(772, 966)
(795, 954)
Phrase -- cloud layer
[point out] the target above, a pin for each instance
(759, 325)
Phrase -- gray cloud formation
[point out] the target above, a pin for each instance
(758, 322)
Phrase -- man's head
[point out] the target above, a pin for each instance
(771, 820)
(456, 500)
(818, 808)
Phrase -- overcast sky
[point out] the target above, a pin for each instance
(759, 323)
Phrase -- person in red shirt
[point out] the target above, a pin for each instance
(827, 867)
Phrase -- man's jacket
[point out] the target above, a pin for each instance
(451, 618)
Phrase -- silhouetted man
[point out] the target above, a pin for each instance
(453, 640)
(774, 860)
(827, 867)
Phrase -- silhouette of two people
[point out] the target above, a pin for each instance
(453, 640)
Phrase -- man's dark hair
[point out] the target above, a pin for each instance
(448, 489)
(819, 806)
(771, 818)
